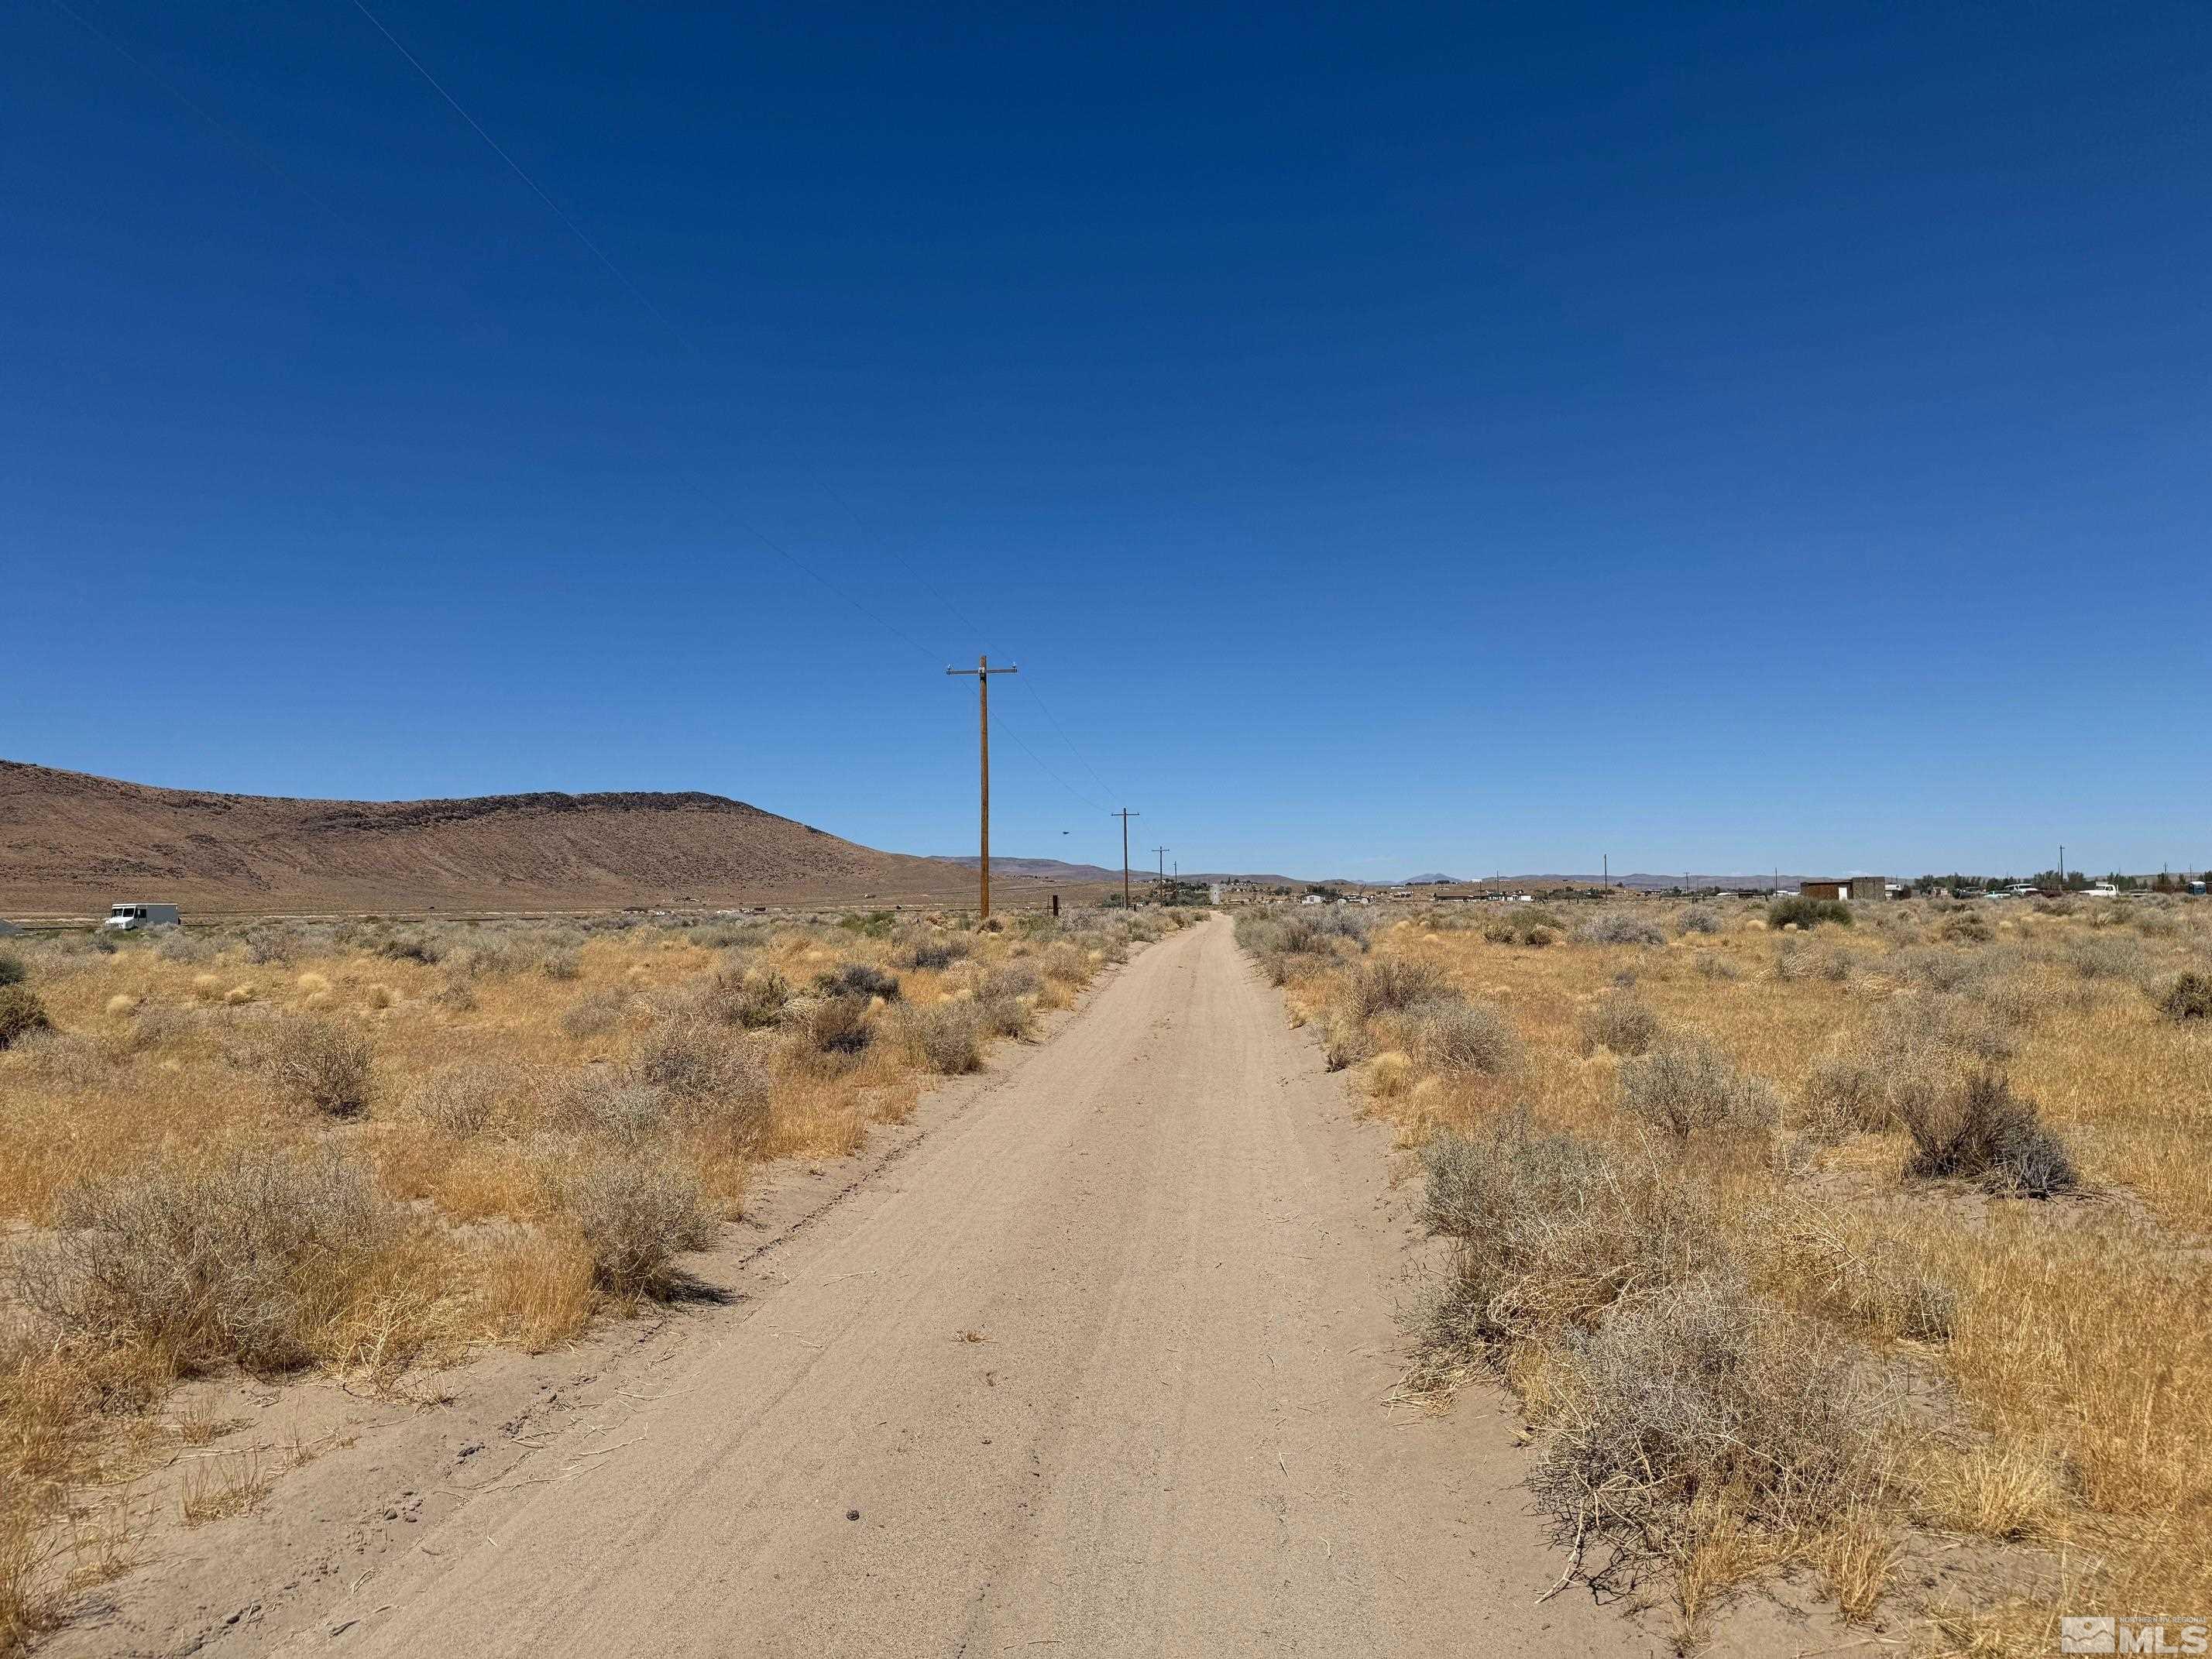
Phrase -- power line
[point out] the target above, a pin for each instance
(236, 137)
(515, 167)
(1070, 742)
(639, 294)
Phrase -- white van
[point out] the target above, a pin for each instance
(125, 918)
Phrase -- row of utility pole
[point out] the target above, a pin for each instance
(982, 671)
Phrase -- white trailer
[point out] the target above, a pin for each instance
(127, 918)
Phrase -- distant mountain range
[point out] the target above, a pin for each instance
(72, 843)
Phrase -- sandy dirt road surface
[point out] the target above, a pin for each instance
(1099, 1367)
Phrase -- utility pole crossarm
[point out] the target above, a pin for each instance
(982, 670)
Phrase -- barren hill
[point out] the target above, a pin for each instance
(70, 842)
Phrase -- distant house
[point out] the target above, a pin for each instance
(1313, 898)
(1848, 889)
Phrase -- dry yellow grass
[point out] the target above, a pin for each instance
(499, 1130)
(2061, 1349)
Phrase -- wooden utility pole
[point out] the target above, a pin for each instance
(1125, 814)
(982, 670)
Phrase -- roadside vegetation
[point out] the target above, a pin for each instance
(365, 1150)
(1870, 1245)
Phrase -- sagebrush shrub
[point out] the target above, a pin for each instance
(1965, 927)
(946, 1037)
(1699, 919)
(20, 1013)
(1465, 1036)
(1393, 984)
(1625, 1023)
(938, 953)
(1619, 928)
(637, 1211)
(839, 1025)
(594, 1014)
(1700, 1395)
(1688, 1085)
(753, 997)
(467, 1097)
(12, 970)
(2187, 995)
(694, 1060)
(1549, 1230)
(857, 979)
(320, 1064)
(242, 1257)
(1981, 1131)
(1808, 912)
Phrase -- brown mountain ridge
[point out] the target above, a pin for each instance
(71, 843)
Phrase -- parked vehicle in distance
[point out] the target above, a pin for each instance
(2102, 890)
(127, 918)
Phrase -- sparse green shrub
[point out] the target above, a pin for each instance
(1625, 1023)
(1687, 1085)
(1807, 913)
(563, 965)
(1981, 1131)
(20, 1013)
(1699, 919)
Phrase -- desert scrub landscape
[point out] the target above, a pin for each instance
(1863, 1243)
(365, 1150)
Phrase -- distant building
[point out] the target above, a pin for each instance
(1848, 889)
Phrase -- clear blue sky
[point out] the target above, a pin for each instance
(1389, 438)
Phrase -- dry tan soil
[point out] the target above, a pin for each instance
(1097, 1362)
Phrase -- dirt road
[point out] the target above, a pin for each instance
(1100, 1366)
